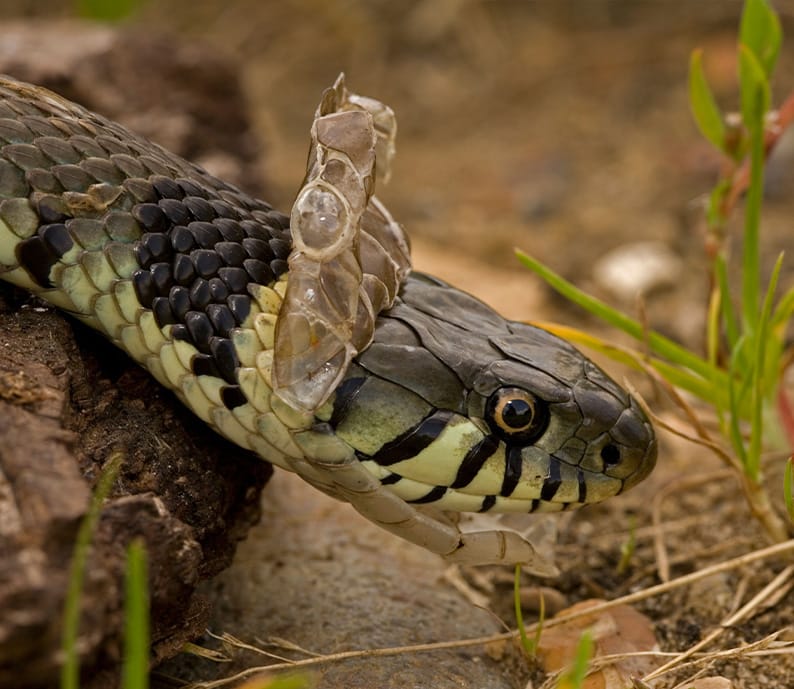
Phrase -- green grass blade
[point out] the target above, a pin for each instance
(760, 31)
(735, 433)
(526, 644)
(704, 108)
(574, 678)
(755, 102)
(729, 319)
(136, 619)
(658, 343)
(715, 208)
(713, 340)
(628, 548)
(759, 386)
(680, 377)
(702, 389)
(70, 670)
(785, 307)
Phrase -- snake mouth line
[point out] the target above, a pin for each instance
(419, 493)
(452, 497)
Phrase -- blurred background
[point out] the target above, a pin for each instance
(559, 127)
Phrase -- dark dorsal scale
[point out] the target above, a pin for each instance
(198, 241)
(198, 255)
(40, 252)
(196, 260)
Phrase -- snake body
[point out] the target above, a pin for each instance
(449, 405)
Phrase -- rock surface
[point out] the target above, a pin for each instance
(329, 581)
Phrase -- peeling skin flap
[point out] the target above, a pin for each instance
(349, 256)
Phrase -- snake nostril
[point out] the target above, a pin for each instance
(610, 453)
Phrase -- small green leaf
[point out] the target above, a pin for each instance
(715, 209)
(704, 108)
(760, 31)
(754, 89)
(628, 548)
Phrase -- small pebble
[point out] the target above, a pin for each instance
(637, 269)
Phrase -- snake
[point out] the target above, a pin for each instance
(306, 337)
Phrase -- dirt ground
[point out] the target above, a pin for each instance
(562, 128)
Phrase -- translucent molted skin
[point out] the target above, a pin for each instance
(349, 256)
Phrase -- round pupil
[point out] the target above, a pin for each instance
(517, 413)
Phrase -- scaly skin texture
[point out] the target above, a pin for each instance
(448, 406)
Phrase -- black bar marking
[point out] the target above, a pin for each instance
(414, 440)
(552, 484)
(513, 466)
(204, 365)
(57, 238)
(225, 356)
(145, 290)
(534, 505)
(233, 397)
(345, 394)
(582, 486)
(487, 503)
(432, 496)
(474, 460)
(391, 479)
(37, 258)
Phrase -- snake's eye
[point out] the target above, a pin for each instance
(516, 416)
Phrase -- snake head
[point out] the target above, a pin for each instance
(454, 405)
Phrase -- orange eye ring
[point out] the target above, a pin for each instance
(516, 415)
